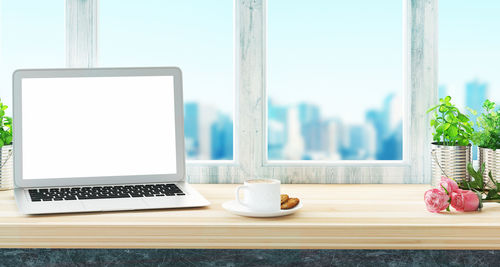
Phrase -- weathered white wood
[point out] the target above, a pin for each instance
(81, 33)
(423, 22)
(251, 97)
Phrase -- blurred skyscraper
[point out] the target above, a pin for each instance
(208, 133)
(191, 129)
(475, 94)
(362, 143)
(294, 147)
(300, 133)
(277, 130)
(310, 126)
(333, 139)
(381, 121)
(222, 138)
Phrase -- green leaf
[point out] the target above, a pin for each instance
(8, 140)
(452, 131)
(463, 142)
(477, 176)
(488, 105)
(450, 117)
(447, 99)
(467, 128)
(463, 118)
(440, 129)
(493, 194)
(493, 180)
(445, 190)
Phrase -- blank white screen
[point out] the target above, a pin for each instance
(98, 126)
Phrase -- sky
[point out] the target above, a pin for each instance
(196, 35)
(344, 56)
(29, 38)
(469, 46)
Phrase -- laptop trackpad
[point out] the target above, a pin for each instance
(115, 204)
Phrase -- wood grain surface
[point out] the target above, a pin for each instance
(333, 216)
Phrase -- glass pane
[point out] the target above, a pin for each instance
(195, 35)
(469, 53)
(32, 36)
(335, 80)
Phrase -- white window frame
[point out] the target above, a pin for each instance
(250, 129)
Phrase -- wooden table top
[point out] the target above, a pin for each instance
(333, 216)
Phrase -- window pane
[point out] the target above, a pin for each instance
(32, 36)
(335, 80)
(195, 35)
(469, 52)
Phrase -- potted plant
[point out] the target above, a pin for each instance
(487, 139)
(451, 149)
(6, 172)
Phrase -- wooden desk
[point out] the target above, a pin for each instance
(334, 216)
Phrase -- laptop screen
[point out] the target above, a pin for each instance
(98, 126)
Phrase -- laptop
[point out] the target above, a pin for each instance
(103, 139)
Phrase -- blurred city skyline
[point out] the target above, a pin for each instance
(302, 132)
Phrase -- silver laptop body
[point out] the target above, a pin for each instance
(102, 139)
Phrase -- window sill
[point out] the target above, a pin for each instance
(333, 216)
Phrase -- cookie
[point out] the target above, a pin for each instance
(290, 203)
(284, 198)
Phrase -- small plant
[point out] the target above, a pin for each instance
(5, 126)
(451, 127)
(488, 133)
(477, 184)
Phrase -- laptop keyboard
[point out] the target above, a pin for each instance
(103, 192)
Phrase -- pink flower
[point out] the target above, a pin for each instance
(450, 185)
(465, 200)
(436, 200)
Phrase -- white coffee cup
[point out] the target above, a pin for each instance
(260, 195)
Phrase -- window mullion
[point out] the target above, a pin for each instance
(423, 78)
(251, 96)
(81, 33)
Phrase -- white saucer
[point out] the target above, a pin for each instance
(234, 207)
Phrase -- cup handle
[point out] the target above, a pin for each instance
(238, 194)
